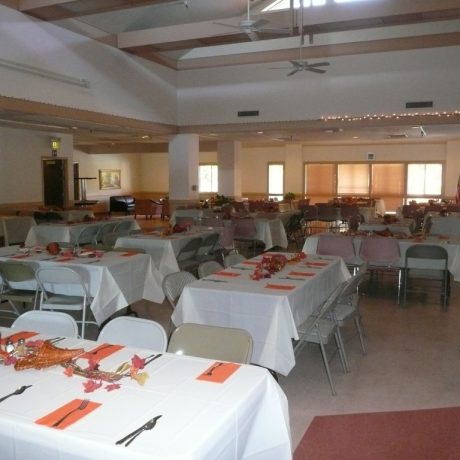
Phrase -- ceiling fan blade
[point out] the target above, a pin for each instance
(252, 35)
(292, 72)
(296, 63)
(312, 69)
(320, 64)
(275, 31)
(260, 23)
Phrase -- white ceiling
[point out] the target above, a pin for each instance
(183, 34)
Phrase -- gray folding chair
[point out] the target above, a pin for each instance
(320, 329)
(212, 342)
(208, 268)
(186, 258)
(428, 263)
(173, 284)
(17, 272)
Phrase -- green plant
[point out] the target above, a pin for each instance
(221, 200)
(289, 196)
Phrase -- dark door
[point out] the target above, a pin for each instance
(54, 182)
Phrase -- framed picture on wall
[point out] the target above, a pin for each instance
(109, 179)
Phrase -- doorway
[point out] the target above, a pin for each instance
(54, 182)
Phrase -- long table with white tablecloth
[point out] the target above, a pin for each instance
(114, 279)
(238, 412)
(269, 309)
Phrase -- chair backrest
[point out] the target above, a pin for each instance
(336, 245)
(310, 212)
(124, 225)
(208, 268)
(104, 229)
(328, 213)
(134, 332)
(427, 251)
(47, 322)
(245, 228)
(189, 250)
(174, 283)
(88, 235)
(228, 232)
(327, 307)
(16, 272)
(109, 239)
(233, 259)
(213, 342)
(348, 210)
(379, 250)
(59, 279)
(208, 244)
(15, 229)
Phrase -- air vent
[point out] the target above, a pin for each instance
(419, 105)
(248, 113)
(398, 136)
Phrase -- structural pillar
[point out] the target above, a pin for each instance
(229, 162)
(293, 170)
(183, 169)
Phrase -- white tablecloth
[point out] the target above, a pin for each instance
(271, 232)
(162, 249)
(445, 225)
(405, 226)
(114, 281)
(271, 316)
(42, 234)
(245, 417)
(451, 246)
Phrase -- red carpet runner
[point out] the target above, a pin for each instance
(412, 435)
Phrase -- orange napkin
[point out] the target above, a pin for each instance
(53, 417)
(102, 351)
(301, 273)
(227, 274)
(219, 372)
(316, 264)
(443, 237)
(129, 254)
(251, 262)
(283, 287)
(18, 335)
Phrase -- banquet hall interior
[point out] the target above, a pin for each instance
(181, 103)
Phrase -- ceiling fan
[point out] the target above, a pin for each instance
(250, 27)
(299, 65)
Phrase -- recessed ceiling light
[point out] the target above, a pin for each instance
(145, 137)
(260, 132)
(355, 137)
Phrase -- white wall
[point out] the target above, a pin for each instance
(21, 153)
(353, 85)
(121, 84)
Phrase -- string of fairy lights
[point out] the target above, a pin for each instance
(393, 116)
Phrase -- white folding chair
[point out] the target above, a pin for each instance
(233, 259)
(62, 288)
(213, 342)
(173, 284)
(47, 322)
(208, 268)
(134, 332)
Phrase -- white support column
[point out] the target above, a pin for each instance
(293, 170)
(229, 161)
(183, 168)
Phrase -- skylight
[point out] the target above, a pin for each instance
(285, 4)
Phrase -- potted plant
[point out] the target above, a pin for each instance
(289, 196)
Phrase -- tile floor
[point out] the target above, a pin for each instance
(412, 359)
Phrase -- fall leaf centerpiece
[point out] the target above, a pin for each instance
(269, 265)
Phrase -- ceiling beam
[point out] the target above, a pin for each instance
(53, 10)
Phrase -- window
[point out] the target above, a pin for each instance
(319, 181)
(208, 178)
(353, 179)
(424, 179)
(276, 181)
(285, 4)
